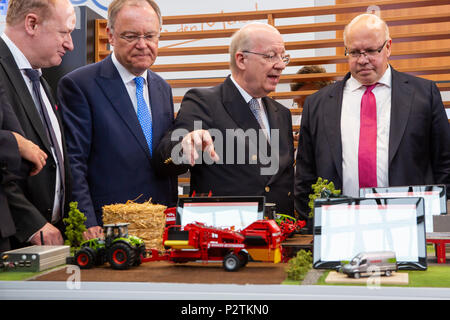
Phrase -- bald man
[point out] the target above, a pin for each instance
(375, 128)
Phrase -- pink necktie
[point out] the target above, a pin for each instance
(367, 153)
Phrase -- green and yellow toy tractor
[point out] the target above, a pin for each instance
(118, 248)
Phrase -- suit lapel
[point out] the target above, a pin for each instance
(156, 98)
(276, 122)
(401, 102)
(332, 119)
(21, 89)
(240, 112)
(115, 91)
(237, 107)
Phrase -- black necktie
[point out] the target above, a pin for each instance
(35, 80)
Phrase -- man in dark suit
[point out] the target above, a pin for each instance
(37, 35)
(252, 151)
(109, 139)
(376, 127)
(13, 148)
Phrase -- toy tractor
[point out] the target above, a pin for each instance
(118, 248)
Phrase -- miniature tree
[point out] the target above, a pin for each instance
(74, 226)
(299, 265)
(322, 189)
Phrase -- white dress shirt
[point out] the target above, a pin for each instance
(350, 125)
(130, 84)
(247, 97)
(23, 63)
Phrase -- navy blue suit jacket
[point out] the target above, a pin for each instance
(106, 146)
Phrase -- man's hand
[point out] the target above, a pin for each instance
(93, 232)
(31, 152)
(198, 140)
(50, 234)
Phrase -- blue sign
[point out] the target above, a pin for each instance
(3, 7)
(101, 4)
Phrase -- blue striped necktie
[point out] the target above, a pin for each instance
(143, 112)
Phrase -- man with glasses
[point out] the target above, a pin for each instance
(375, 128)
(115, 112)
(246, 136)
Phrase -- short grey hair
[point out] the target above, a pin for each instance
(116, 5)
(241, 40)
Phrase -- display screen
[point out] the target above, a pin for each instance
(222, 212)
(345, 227)
(434, 196)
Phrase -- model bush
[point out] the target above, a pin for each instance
(322, 189)
(74, 226)
(299, 266)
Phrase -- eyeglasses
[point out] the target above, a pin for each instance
(132, 38)
(369, 53)
(272, 58)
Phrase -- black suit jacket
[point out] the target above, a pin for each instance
(39, 189)
(10, 162)
(223, 108)
(419, 138)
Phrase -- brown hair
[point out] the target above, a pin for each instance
(311, 69)
(116, 5)
(18, 9)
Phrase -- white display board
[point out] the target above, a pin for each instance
(344, 228)
(434, 196)
(235, 213)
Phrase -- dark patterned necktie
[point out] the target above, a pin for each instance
(35, 80)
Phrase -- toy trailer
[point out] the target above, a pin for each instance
(383, 262)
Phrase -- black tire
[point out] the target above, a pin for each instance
(243, 256)
(231, 262)
(85, 258)
(388, 273)
(121, 256)
(101, 257)
(139, 253)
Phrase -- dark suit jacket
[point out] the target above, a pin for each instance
(108, 152)
(221, 108)
(419, 138)
(39, 189)
(10, 161)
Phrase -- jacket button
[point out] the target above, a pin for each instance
(267, 188)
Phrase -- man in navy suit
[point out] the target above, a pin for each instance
(406, 142)
(115, 112)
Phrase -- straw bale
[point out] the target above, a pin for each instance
(147, 220)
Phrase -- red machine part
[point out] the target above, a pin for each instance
(171, 216)
(197, 242)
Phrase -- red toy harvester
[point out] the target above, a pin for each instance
(260, 241)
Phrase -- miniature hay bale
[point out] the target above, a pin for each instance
(147, 220)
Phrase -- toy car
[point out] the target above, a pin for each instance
(370, 262)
